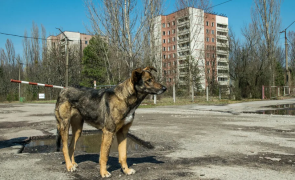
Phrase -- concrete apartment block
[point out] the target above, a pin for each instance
(193, 32)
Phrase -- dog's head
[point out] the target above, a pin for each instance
(145, 82)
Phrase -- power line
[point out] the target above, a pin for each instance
(34, 37)
(218, 4)
(289, 25)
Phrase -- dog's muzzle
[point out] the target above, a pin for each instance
(162, 90)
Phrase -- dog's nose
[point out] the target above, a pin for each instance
(164, 88)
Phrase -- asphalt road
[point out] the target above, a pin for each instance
(191, 142)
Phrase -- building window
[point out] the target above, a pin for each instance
(163, 40)
(173, 31)
(173, 39)
(86, 42)
(208, 63)
(207, 31)
(164, 49)
(207, 39)
(173, 23)
(212, 31)
(163, 25)
(164, 56)
(168, 56)
(208, 55)
(173, 47)
(213, 55)
(207, 47)
(168, 25)
(168, 32)
(169, 79)
(212, 39)
(164, 72)
(163, 32)
(164, 64)
(212, 24)
(169, 72)
(169, 64)
(173, 55)
(207, 23)
(208, 71)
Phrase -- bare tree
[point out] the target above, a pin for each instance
(266, 20)
(124, 24)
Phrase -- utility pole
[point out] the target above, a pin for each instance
(287, 75)
(67, 58)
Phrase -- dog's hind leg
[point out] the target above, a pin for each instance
(122, 148)
(64, 117)
(107, 139)
(77, 125)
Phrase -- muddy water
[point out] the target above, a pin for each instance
(89, 143)
(282, 109)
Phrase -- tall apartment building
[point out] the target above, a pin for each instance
(80, 40)
(195, 37)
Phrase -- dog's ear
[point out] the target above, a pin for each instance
(150, 68)
(136, 73)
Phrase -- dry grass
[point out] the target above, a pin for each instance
(168, 101)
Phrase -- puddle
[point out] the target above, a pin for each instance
(282, 109)
(89, 143)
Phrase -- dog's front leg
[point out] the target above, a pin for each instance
(107, 139)
(122, 148)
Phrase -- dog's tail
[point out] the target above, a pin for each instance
(58, 136)
(58, 140)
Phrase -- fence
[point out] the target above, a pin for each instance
(273, 92)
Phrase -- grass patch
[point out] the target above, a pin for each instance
(201, 100)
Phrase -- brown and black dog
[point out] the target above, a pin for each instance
(111, 110)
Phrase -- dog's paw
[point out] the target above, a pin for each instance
(129, 171)
(71, 168)
(75, 165)
(105, 174)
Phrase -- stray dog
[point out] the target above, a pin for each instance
(111, 110)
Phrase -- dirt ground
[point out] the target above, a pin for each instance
(191, 142)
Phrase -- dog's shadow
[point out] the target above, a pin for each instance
(114, 162)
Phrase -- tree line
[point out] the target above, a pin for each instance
(124, 38)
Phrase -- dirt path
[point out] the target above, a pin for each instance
(191, 142)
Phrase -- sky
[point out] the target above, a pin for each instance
(70, 15)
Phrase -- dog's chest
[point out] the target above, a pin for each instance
(130, 116)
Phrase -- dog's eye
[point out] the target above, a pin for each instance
(150, 80)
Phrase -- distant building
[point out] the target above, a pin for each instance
(192, 32)
(80, 40)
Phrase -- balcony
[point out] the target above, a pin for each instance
(222, 29)
(220, 51)
(184, 23)
(222, 59)
(182, 57)
(222, 36)
(222, 44)
(184, 48)
(182, 74)
(222, 68)
(223, 83)
(182, 40)
(182, 32)
(223, 75)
